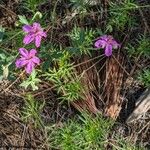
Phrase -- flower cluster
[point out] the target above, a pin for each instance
(34, 34)
(28, 59)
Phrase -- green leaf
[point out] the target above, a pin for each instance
(23, 20)
(34, 87)
(2, 56)
(25, 84)
(31, 81)
(109, 28)
(82, 36)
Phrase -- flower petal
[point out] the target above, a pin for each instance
(23, 52)
(32, 53)
(108, 50)
(37, 26)
(104, 37)
(21, 62)
(100, 43)
(36, 60)
(97, 44)
(43, 34)
(38, 40)
(28, 39)
(30, 66)
(27, 28)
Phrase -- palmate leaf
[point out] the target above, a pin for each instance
(31, 81)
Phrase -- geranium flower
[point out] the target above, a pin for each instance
(34, 34)
(107, 42)
(27, 60)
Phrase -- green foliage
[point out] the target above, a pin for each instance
(72, 91)
(64, 79)
(144, 77)
(5, 62)
(62, 72)
(23, 19)
(87, 133)
(95, 131)
(31, 81)
(120, 14)
(80, 5)
(31, 111)
(32, 5)
(81, 40)
(12, 38)
(142, 48)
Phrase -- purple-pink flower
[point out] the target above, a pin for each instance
(34, 34)
(27, 60)
(107, 42)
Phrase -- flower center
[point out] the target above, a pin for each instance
(29, 57)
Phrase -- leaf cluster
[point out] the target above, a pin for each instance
(81, 40)
(144, 77)
(31, 111)
(64, 78)
(32, 81)
(120, 14)
(87, 133)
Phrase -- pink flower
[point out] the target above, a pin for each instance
(34, 34)
(27, 60)
(107, 42)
